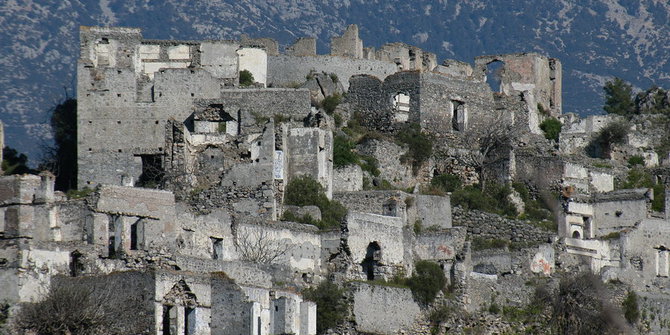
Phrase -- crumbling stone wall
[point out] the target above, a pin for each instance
(310, 152)
(434, 101)
(491, 226)
(289, 70)
(537, 74)
(384, 310)
(304, 46)
(386, 232)
(440, 245)
(348, 45)
(406, 57)
(270, 45)
(296, 245)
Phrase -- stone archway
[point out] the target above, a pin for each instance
(372, 260)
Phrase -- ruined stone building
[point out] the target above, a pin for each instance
(187, 171)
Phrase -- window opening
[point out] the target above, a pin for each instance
(575, 234)
(152, 171)
(217, 248)
(169, 320)
(76, 265)
(136, 234)
(401, 107)
(459, 116)
(371, 261)
(494, 71)
(189, 321)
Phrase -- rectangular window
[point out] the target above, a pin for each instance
(662, 266)
(189, 321)
(217, 248)
(459, 117)
(169, 320)
(137, 235)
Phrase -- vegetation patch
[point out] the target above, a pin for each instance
(613, 133)
(420, 146)
(331, 102)
(305, 191)
(631, 310)
(246, 78)
(494, 200)
(635, 160)
(78, 194)
(639, 177)
(334, 305)
(480, 243)
(426, 282)
(551, 128)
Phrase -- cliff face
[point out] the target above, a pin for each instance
(595, 39)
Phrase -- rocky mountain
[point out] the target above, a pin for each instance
(595, 39)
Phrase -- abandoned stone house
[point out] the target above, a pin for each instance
(207, 248)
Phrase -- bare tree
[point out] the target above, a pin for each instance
(76, 306)
(259, 247)
(488, 139)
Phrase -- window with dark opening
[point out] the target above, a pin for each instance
(494, 71)
(136, 235)
(169, 320)
(76, 264)
(575, 234)
(111, 231)
(459, 116)
(372, 259)
(217, 248)
(189, 321)
(152, 171)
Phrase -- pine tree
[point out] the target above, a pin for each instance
(619, 97)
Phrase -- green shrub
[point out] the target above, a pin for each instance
(479, 243)
(331, 102)
(280, 118)
(344, 155)
(369, 164)
(338, 120)
(619, 97)
(535, 209)
(420, 145)
(613, 133)
(494, 200)
(246, 78)
(306, 219)
(305, 191)
(418, 227)
(639, 177)
(428, 280)
(630, 307)
(551, 128)
(494, 308)
(221, 128)
(333, 305)
(78, 194)
(635, 160)
(446, 182)
(440, 314)
(343, 152)
(334, 78)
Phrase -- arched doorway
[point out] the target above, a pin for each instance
(372, 259)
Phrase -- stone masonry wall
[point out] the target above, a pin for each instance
(492, 226)
(286, 69)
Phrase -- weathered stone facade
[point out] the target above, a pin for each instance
(187, 172)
